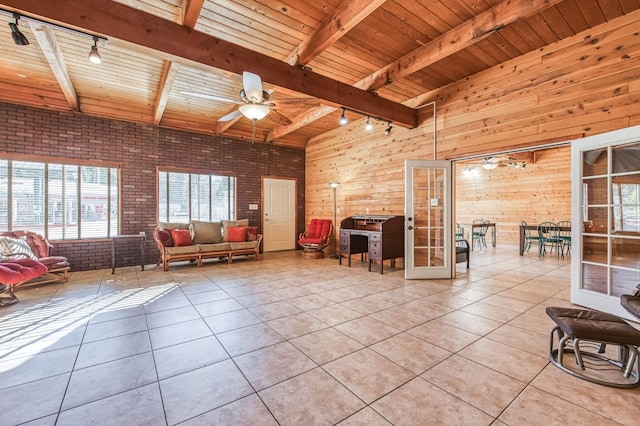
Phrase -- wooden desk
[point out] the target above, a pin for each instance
(143, 241)
(533, 228)
(381, 237)
(492, 228)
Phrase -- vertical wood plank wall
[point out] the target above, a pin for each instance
(585, 85)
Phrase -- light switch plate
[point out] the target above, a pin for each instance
(434, 202)
(253, 207)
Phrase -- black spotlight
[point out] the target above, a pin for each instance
(18, 37)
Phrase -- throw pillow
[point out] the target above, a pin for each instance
(252, 233)
(226, 224)
(181, 237)
(15, 248)
(236, 234)
(205, 232)
(164, 236)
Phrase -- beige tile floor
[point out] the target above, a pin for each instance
(297, 342)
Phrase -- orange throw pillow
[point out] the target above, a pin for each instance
(237, 234)
(181, 237)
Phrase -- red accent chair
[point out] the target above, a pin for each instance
(315, 238)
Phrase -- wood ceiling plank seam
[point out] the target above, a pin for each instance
(629, 6)
(541, 27)
(418, 20)
(528, 35)
(237, 22)
(557, 23)
(306, 13)
(577, 22)
(465, 34)
(162, 9)
(507, 40)
(592, 13)
(611, 10)
(339, 23)
(441, 14)
(389, 45)
(251, 18)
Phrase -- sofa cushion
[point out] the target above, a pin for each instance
(164, 236)
(181, 237)
(15, 248)
(252, 233)
(182, 250)
(236, 234)
(205, 232)
(173, 225)
(232, 223)
(244, 246)
(206, 248)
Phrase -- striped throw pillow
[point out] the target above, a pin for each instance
(14, 248)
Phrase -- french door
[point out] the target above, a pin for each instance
(428, 212)
(605, 205)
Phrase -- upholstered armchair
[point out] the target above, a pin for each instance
(315, 238)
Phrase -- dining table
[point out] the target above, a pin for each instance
(524, 228)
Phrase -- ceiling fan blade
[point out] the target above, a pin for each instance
(209, 97)
(275, 116)
(252, 87)
(296, 102)
(233, 114)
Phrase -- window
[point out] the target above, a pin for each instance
(59, 201)
(185, 196)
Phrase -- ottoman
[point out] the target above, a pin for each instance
(597, 329)
(15, 272)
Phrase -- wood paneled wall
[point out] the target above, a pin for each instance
(584, 85)
(507, 196)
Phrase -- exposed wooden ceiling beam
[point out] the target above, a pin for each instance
(222, 126)
(169, 73)
(300, 120)
(459, 38)
(49, 45)
(349, 14)
(116, 20)
(190, 12)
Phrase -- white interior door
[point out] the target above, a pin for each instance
(605, 226)
(279, 214)
(428, 212)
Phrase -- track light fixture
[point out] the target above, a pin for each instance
(388, 129)
(94, 56)
(368, 126)
(343, 118)
(18, 37)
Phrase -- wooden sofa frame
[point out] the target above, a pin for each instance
(198, 257)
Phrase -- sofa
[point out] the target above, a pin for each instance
(199, 240)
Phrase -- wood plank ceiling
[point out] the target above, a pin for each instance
(178, 63)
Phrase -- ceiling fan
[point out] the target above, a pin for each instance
(493, 162)
(255, 103)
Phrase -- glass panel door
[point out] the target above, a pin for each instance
(428, 230)
(606, 219)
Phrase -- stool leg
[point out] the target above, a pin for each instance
(576, 350)
(633, 361)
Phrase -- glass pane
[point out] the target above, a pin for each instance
(626, 252)
(4, 195)
(27, 196)
(594, 162)
(596, 191)
(163, 205)
(94, 198)
(70, 192)
(623, 281)
(114, 206)
(594, 278)
(626, 158)
(179, 197)
(421, 257)
(625, 192)
(596, 221)
(437, 256)
(595, 249)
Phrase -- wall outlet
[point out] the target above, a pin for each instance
(434, 202)
(338, 210)
(366, 211)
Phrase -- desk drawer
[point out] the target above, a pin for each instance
(375, 250)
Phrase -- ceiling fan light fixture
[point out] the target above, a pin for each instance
(94, 56)
(489, 166)
(388, 129)
(18, 38)
(254, 111)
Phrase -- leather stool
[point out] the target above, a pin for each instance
(574, 326)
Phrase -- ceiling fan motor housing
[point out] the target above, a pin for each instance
(265, 97)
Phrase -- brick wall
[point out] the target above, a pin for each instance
(140, 148)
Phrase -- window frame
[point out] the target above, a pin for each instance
(79, 163)
(232, 208)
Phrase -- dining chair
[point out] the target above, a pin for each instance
(529, 238)
(565, 236)
(459, 232)
(479, 233)
(548, 236)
